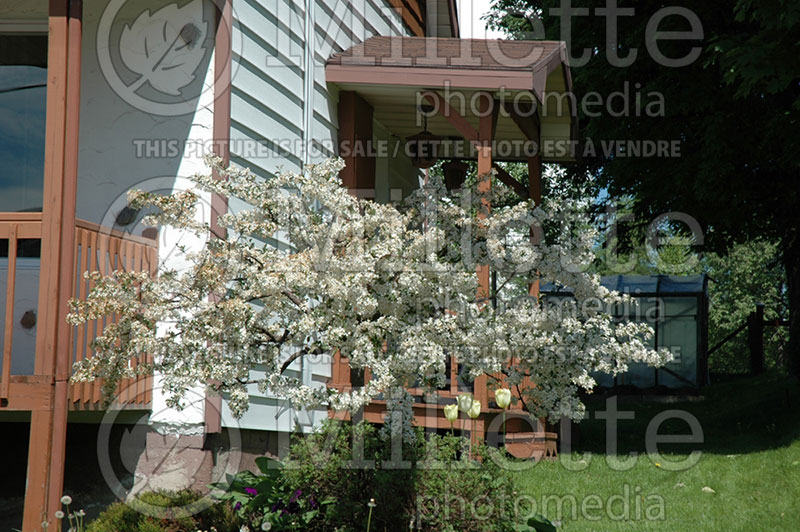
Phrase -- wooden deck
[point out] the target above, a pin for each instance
(95, 249)
(532, 440)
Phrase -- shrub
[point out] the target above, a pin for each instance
(454, 493)
(266, 499)
(353, 464)
(330, 477)
(130, 517)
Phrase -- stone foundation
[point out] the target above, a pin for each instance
(174, 462)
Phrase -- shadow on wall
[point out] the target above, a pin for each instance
(142, 126)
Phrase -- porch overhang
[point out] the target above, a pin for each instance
(529, 82)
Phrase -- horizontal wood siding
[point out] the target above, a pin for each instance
(335, 32)
(268, 116)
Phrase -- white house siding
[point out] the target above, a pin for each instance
(279, 109)
(113, 157)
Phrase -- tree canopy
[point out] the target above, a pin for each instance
(392, 288)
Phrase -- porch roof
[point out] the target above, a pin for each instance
(391, 73)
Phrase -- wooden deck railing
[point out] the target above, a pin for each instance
(14, 227)
(96, 249)
(101, 249)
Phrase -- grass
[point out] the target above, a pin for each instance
(750, 459)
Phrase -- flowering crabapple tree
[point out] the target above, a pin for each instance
(391, 287)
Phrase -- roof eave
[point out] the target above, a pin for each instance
(429, 77)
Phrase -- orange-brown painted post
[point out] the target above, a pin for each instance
(46, 451)
(66, 262)
(487, 117)
(355, 137)
(34, 512)
(11, 280)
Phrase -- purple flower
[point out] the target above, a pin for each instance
(312, 503)
(251, 491)
(295, 495)
(237, 505)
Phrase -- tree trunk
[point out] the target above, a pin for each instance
(791, 260)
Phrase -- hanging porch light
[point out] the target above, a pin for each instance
(455, 173)
(422, 147)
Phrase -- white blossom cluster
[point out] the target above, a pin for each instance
(391, 287)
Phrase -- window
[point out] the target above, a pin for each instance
(23, 97)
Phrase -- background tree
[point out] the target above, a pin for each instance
(733, 106)
(749, 273)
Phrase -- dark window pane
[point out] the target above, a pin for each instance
(23, 97)
(464, 383)
(356, 378)
(26, 248)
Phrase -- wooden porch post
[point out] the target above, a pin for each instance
(46, 450)
(355, 138)
(66, 264)
(358, 175)
(487, 119)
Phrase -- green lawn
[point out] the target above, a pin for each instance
(750, 459)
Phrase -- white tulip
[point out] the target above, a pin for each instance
(451, 412)
(474, 410)
(464, 402)
(502, 397)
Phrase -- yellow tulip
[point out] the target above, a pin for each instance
(451, 412)
(474, 410)
(503, 397)
(464, 402)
